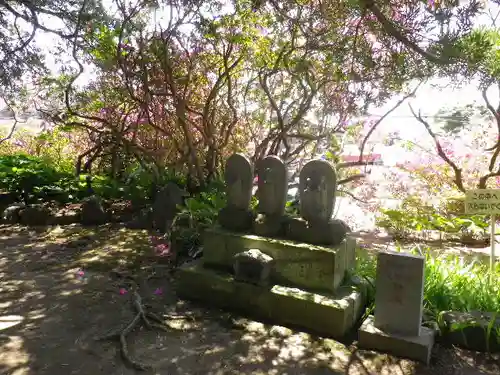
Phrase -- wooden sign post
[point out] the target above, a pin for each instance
(485, 202)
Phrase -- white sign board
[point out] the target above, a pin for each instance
(482, 202)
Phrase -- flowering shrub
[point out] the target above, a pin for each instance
(431, 191)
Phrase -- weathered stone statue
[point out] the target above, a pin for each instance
(317, 190)
(263, 272)
(238, 176)
(272, 193)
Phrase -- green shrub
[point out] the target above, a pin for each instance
(33, 178)
(28, 176)
(198, 213)
(414, 216)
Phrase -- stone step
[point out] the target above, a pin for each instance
(331, 315)
(313, 267)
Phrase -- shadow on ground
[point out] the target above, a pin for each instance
(50, 314)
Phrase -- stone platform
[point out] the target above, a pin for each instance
(305, 266)
(331, 315)
(412, 347)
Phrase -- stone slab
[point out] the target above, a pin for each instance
(478, 331)
(399, 293)
(328, 315)
(307, 266)
(417, 348)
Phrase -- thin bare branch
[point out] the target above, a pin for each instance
(377, 123)
(457, 171)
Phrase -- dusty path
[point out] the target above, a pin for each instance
(49, 316)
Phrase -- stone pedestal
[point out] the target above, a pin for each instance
(269, 225)
(331, 315)
(412, 347)
(311, 267)
(236, 219)
(331, 232)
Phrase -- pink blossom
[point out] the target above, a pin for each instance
(158, 291)
(162, 249)
(123, 291)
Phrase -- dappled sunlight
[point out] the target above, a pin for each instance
(7, 321)
(13, 356)
(55, 310)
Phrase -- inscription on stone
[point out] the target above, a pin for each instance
(399, 293)
(309, 270)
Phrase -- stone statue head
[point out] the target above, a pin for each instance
(317, 189)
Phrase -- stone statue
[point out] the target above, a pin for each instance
(272, 184)
(317, 189)
(239, 178)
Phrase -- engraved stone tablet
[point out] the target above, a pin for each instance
(399, 293)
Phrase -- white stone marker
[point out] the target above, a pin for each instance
(400, 293)
(397, 325)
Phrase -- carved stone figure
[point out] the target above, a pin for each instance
(239, 177)
(272, 184)
(317, 188)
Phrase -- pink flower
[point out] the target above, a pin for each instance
(158, 291)
(162, 249)
(122, 291)
(80, 273)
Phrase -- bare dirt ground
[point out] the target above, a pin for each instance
(50, 315)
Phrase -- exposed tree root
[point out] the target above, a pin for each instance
(150, 320)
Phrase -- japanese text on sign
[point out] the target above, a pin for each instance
(482, 202)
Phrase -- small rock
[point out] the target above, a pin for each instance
(11, 213)
(253, 266)
(143, 220)
(279, 331)
(35, 215)
(256, 327)
(165, 206)
(92, 212)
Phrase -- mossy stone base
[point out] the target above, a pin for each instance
(236, 219)
(475, 330)
(412, 347)
(328, 315)
(306, 266)
(269, 225)
(332, 232)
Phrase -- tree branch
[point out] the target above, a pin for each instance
(351, 178)
(496, 115)
(458, 171)
(377, 123)
(352, 196)
(393, 30)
